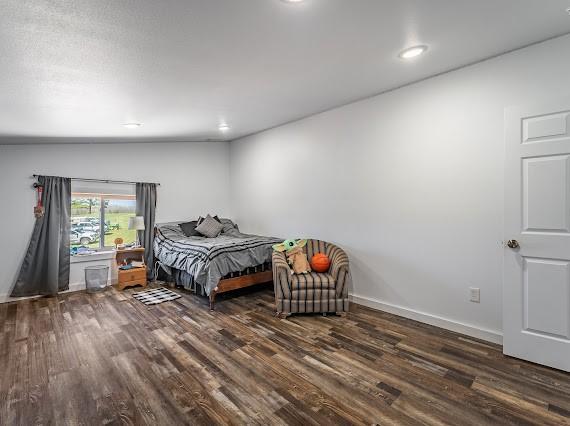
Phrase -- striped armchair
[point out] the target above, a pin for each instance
(312, 292)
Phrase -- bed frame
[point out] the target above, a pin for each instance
(243, 281)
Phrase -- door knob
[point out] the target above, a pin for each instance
(513, 244)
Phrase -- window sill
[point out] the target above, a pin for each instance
(101, 255)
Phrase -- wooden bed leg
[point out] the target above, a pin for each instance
(213, 298)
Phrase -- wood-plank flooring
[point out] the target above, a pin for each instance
(109, 359)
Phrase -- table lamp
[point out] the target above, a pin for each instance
(137, 223)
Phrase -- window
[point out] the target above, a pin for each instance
(98, 219)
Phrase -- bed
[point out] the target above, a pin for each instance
(210, 266)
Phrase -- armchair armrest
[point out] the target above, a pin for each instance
(339, 269)
(281, 275)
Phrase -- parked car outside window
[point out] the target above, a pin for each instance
(87, 226)
(83, 238)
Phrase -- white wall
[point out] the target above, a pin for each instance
(410, 183)
(194, 180)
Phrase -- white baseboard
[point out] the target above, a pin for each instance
(75, 287)
(5, 298)
(469, 330)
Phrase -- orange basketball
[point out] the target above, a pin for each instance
(320, 262)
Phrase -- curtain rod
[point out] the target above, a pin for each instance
(106, 180)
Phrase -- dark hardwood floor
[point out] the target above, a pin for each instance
(109, 359)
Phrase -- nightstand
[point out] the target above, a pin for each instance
(134, 276)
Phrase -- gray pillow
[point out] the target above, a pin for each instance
(210, 227)
(228, 225)
(201, 219)
(189, 229)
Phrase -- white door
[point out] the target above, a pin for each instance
(536, 294)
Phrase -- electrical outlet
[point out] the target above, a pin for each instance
(475, 294)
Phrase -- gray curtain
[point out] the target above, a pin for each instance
(146, 205)
(45, 269)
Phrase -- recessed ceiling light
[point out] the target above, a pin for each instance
(224, 127)
(412, 52)
(292, 1)
(568, 11)
(132, 125)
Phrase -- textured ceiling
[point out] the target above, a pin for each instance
(74, 70)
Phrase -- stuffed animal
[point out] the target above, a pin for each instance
(295, 255)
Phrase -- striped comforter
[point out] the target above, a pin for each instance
(207, 260)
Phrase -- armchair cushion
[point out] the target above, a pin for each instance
(312, 280)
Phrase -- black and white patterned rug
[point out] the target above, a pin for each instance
(156, 296)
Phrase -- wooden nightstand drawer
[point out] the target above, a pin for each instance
(135, 274)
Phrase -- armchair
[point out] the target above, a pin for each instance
(312, 292)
